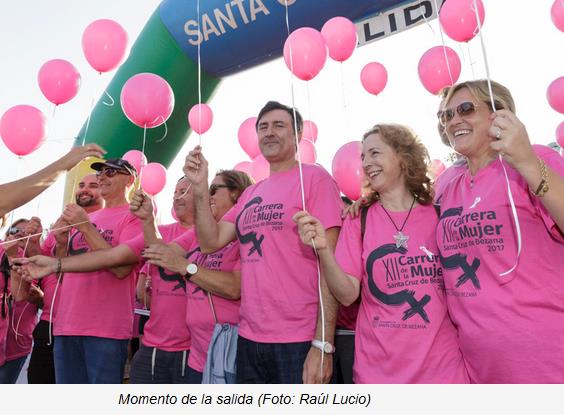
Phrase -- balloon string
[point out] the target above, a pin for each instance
(199, 75)
(112, 101)
(41, 233)
(16, 327)
(472, 63)
(509, 192)
(302, 183)
(142, 151)
(165, 133)
(444, 45)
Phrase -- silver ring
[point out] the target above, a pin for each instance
(498, 134)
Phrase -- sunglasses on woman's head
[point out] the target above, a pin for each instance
(110, 172)
(463, 109)
(214, 187)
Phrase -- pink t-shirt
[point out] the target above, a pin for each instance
(168, 233)
(403, 331)
(279, 294)
(98, 303)
(20, 332)
(3, 318)
(511, 327)
(49, 284)
(199, 316)
(166, 328)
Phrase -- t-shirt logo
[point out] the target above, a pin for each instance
(250, 237)
(181, 282)
(400, 297)
(460, 260)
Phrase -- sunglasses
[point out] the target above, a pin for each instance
(214, 187)
(14, 230)
(463, 109)
(110, 172)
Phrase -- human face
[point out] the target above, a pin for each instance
(221, 200)
(276, 136)
(87, 193)
(17, 231)
(111, 184)
(182, 204)
(468, 134)
(381, 164)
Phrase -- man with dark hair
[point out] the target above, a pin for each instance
(281, 338)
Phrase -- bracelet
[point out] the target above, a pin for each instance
(59, 266)
(543, 185)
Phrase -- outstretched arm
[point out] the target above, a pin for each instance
(19, 192)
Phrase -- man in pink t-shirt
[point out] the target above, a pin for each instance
(41, 365)
(95, 316)
(279, 278)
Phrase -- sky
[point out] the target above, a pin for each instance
(523, 47)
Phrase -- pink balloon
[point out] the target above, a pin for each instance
(557, 14)
(341, 38)
(310, 131)
(200, 118)
(437, 167)
(136, 158)
(103, 43)
(245, 167)
(58, 80)
(374, 77)
(307, 151)
(248, 138)
(347, 169)
(153, 178)
(560, 134)
(147, 100)
(308, 53)
(458, 19)
(555, 94)
(260, 168)
(23, 129)
(433, 69)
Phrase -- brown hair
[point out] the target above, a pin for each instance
(480, 91)
(236, 180)
(413, 156)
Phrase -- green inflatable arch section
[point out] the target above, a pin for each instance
(154, 51)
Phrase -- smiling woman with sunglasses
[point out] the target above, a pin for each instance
(508, 305)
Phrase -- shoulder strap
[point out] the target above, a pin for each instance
(363, 214)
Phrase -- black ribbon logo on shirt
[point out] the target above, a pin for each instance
(401, 297)
(460, 260)
(250, 237)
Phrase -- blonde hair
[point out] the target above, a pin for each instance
(413, 156)
(480, 91)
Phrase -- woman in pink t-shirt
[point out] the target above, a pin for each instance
(403, 331)
(216, 273)
(503, 273)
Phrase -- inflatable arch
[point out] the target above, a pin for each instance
(233, 35)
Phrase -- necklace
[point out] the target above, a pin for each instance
(401, 239)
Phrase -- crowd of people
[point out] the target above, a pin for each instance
(454, 280)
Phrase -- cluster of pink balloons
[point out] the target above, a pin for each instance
(347, 170)
(440, 66)
(306, 49)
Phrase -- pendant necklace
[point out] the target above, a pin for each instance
(401, 239)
